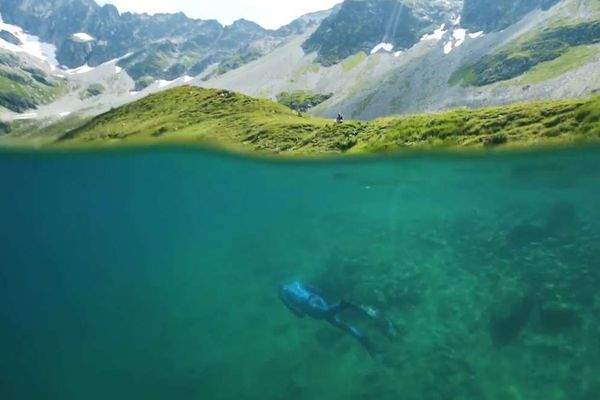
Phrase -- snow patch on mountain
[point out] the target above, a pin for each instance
(438, 34)
(455, 41)
(455, 35)
(458, 38)
(29, 44)
(25, 116)
(82, 37)
(383, 46)
(163, 83)
(475, 35)
(80, 70)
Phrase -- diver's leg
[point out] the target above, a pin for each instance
(335, 309)
(373, 313)
(355, 333)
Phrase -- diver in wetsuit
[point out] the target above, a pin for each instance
(304, 300)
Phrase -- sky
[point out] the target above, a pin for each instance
(267, 13)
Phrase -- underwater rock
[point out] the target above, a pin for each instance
(562, 220)
(526, 234)
(558, 317)
(509, 318)
(561, 224)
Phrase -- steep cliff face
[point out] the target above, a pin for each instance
(360, 25)
(493, 15)
(51, 20)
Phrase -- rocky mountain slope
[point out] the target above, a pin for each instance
(361, 25)
(162, 46)
(367, 58)
(493, 15)
(546, 54)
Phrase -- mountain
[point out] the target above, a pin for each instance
(25, 79)
(361, 25)
(546, 54)
(162, 46)
(493, 15)
(367, 58)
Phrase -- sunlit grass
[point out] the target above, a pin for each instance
(353, 61)
(554, 43)
(237, 122)
(575, 58)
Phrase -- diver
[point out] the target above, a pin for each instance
(304, 300)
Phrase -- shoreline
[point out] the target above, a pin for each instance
(312, 158)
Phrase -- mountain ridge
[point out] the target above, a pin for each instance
(184, 45)
(359, 65)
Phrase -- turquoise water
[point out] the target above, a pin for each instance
(153, 274)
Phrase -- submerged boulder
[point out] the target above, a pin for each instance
(558, 317)
(509, 317)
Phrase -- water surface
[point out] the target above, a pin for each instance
(153, 274)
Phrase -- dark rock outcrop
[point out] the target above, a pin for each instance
(360, 25)
(493, 15)
(10, 38)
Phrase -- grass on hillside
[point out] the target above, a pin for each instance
(237, 122)
(571, 60)
(35, 133)
(520, 124)
(593, 5)
(21, 91)
(93, 90)
(312, 68)
(302, 100)
(207, 115)
(522, 56)
(353, 61)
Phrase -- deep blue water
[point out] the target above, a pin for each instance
(153, 274)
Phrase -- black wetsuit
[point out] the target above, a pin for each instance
(304, 300)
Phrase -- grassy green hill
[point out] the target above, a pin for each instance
(24, 87)
(566, 44)
(236, 122)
